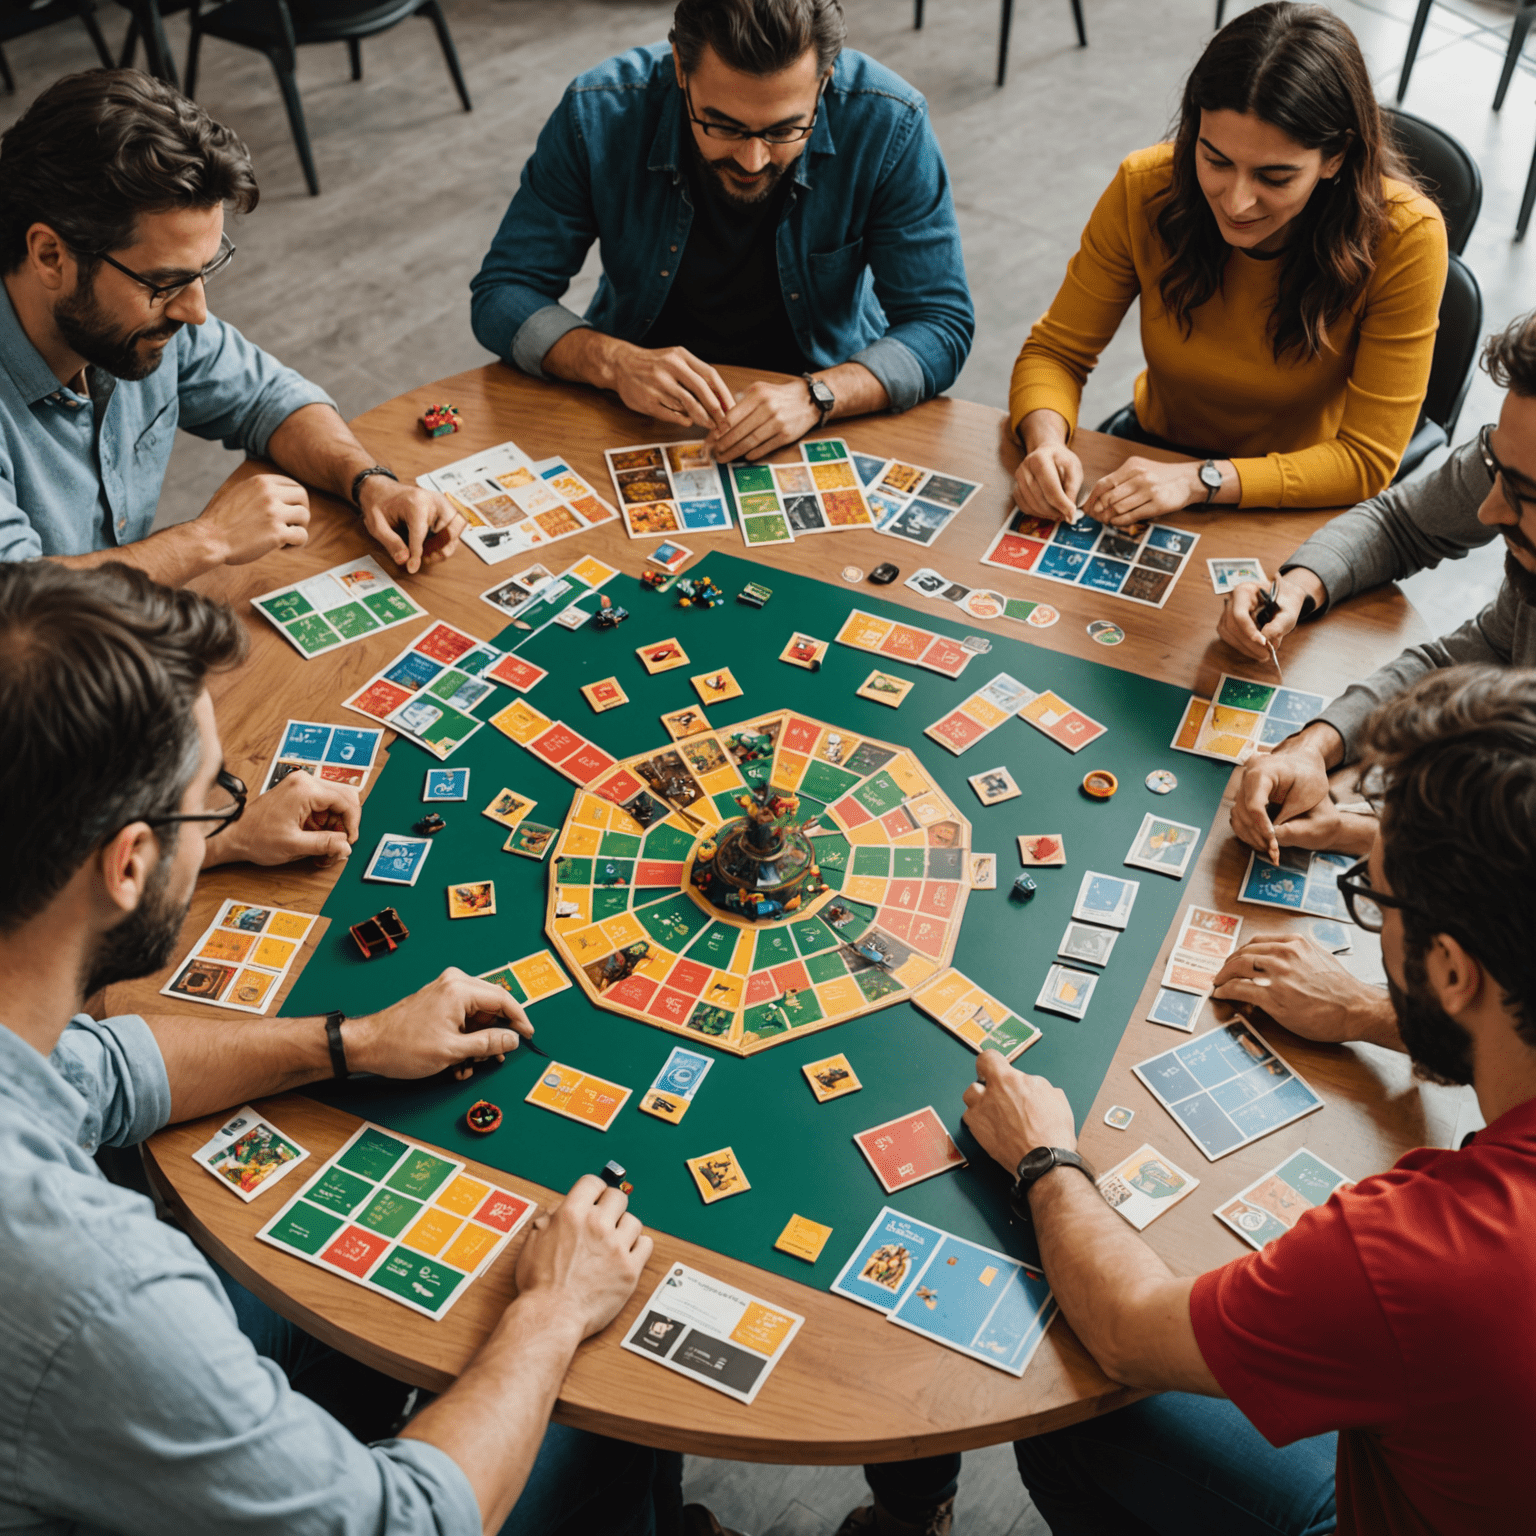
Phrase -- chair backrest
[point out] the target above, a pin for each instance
(1456, 346)
(1450, 175)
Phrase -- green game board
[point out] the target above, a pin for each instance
(799, 1155)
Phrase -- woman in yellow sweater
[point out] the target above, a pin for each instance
(1290, 276)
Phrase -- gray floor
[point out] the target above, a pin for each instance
(364, 287)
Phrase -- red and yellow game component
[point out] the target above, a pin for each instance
(482, 1117)
(440, 420)
(1100, 784)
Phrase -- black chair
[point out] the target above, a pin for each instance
(1005, 31)
(1449, 174)
(22, 20)
(279, 28)
(147, 24)
(1525, 14)
(1450, 373)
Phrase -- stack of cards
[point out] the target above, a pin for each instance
(399, 1219)
(513, 595)
(1242, 716)
(1145, 1185)
(975, 718)
(968, 1298)
(338, 606)
(248, 1155)
(1205, 940)
(1303, 881)
(240, 962)
(909, 1149)
(1227, 1088)
(676, 1084)
(903, 642)
(1229, 573)
(974, 1016)
(1272, 1205)
(1164, 846)
(1142, 569)
(1066, 725)
(917, 504)
(668, 488)
(342, 754)
(707, 1330)
(577, 1095)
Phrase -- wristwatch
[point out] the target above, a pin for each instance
(378, 469)
(1034, 1166)
(333, 1023)
(1210, 478)
(821, 397)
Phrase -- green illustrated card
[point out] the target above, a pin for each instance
(373, 1154)
(305, 1227)
(420, 1283)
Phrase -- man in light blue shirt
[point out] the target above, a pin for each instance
(130, 1400)
(112, 198)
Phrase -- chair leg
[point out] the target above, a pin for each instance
(87, 9)
(5, 73)
(1517, 36)
(355, 54)
(1415, 37)
(434, 13)
(1005, 28)
(130, 44)
(283, 65)
(194, 48)
(1077, 16)
(1526, 201)
(917, 16)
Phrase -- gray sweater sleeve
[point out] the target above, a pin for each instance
(1409, 527)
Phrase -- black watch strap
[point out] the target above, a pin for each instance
(819, 387)
(1034, 1166)
(333, 1023)
(363, 474)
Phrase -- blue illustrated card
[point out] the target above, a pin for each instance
(351, 744)
(305, 741)
(1178, 1010)
(885, 1265)
(446, 784)
(398, 860)
(682, 1073)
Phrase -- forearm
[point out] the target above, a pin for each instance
(858, 391)
(586, 356)
(1043, 427)
(212, 1068)
(173, 557)
(492, 1420)
(317, 447)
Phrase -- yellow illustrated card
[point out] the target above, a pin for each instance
(718, 1175)
(803, 1238)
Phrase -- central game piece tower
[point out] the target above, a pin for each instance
(763, 865)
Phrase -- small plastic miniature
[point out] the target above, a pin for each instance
(440, 420)
(429, 825)
(482, 1117)
(380, 934)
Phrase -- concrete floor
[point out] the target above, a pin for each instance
(364, 288)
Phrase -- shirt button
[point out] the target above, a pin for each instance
(664, 272)
(794, 295)
(672, 247)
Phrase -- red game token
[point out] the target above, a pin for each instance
(483, 1117)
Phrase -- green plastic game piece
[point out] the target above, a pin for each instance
(373, 1154)
(423, 1281)
(306, 1227)
(312, 634)
(420, 1174)
(284, 606)
(351, 620)
(339, 1191)
(388, 1213)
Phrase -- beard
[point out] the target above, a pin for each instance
(89, 333)
(142, 943)
(1440, 1049)
(716, 176)
(1521, 579)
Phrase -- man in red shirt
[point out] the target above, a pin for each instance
(1397, 1316)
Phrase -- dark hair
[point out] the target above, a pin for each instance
(1509, 356)
(1297, 68)
(758, 37)
(1453, 762)
(96, 150)
(99, 670)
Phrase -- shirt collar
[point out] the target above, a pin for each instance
(33, 1082)
(33, 378)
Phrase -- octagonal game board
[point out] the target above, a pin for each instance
(893, 850)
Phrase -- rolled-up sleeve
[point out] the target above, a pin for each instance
(116, 1066)
(229, 388)
(18, 538)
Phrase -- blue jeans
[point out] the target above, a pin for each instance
(581, 1484)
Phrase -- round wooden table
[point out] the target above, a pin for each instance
(852, 1388)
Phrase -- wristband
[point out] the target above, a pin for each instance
(362, 475)
(333, 1023)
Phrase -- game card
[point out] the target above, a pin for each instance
(909, 1149)
(803, 1238)
(446, 784)
(476, 898)
(661, 656)
(1229, 573)
(882, 688)
(832, 1077)
(242, 957)
(669, 488)
(1067, 991)
(1272, 1205)
(716, 687)
(249, 1155)
(577, 1095)
(1087, 943)
(1175, 1008)
(678, 1081)
(1144, 1185)
(804, 651)
(531, 840)
(983, 871)
(508, 808)
(606, 694)
(1163, 845)
(516, 673)
(917, 504)
(1204, 941)
(718, 1175)
(1042, 850)
(1302, 881)
(994, 786)
(336, 607)
(1105, 899)
(398, 859)
(702, 1328)
(974, 1016)
(1242, 716)
(1068, 727)
(341, 754)
(884, 1266)
(670, 556)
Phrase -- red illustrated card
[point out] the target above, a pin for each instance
(906, 1151)
(956, 731)
(946, 656)
(380, 699)
(502, 1210)
(907, 642)
(556, 744)
(585, 763)
(516, 673)
(619, 787)
(445, 643)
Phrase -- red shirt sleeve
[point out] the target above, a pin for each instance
(1296, 1335)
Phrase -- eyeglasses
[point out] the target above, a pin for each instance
(163, 293)
(1367, 907)
(223, 818)
(1512, 498)
(788, 135)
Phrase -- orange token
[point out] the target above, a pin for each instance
(1100, 784)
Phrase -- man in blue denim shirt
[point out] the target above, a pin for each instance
(762, 198)
(112, 196)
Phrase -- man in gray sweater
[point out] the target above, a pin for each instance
(1486, 489)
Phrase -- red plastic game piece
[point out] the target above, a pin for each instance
(380, 934)
(440, 420)
(482, 1117)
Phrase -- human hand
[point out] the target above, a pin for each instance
(1047, 481)
(454, 1021)
(1305, 990)
(586, 1256)
(1328, 826)
(426, 518)
(669, 383)
(1294, 776)
(1236, 625)
(251, 517)
(1141, 489)
(767, 416)
(300, 817)
(1011, 1113)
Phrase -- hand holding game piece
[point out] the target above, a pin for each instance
(301, 817)
(1328, 827)
(251, 517)
(1046, 483)
(1307, 991)
(1243, 625)
(766, 417)
(1294, 777)
(669, 383)
(1011, 1112)
(585, 1258)
(430, 526)
(1143, 489)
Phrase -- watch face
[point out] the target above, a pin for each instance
(1210, 476)
(821, 394)
(1036, 1163)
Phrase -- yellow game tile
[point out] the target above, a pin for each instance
(915, 970)
(588, 944)
(864, 631)
(723, 991)
(521, 721)
(289, 925)
(840, 997)
(222, 944)
(658, 961)
(508, 808)
(717, 1175)
(623, 928)
(803, 650)
(580, 842)
(1189, 727)
(463, 1195)
(273, 952)
(604, 695)
(682, 723)
(477, 898)
(946, 989)
(908, 776)
(577, 896)
(832, 1077)
(540, 975)
(869, 832)
(866, 888)
(664, 1106)
(789, 770)
(661, 656)
(927, 809)
(803, 1238)
(431, 1231)
(591, 810)
(885, 689)
(716, 687)
(592, 571)
(251, 988)
(469, 1249)
(762, 1329)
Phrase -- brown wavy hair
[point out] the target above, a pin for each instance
(1299, 69)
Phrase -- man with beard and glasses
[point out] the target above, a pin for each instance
(761, 197)
(113, 190)
(1374, 1368)
(142, 1390)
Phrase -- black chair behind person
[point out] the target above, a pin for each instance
(1525, 14)
(19, 20)
(1449, 174)
(279, 28)
(1005, 29)
(1450, 372)
(147, 25)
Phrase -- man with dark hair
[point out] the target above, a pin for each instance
(142, 1390)
(762, 197)
(1374, 1366)
(113, 190)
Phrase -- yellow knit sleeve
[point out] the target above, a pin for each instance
(1100, 285)
(1385, 392)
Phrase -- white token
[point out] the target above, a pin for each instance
(1118, 1116)
(852, 575)
(1161, 782)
